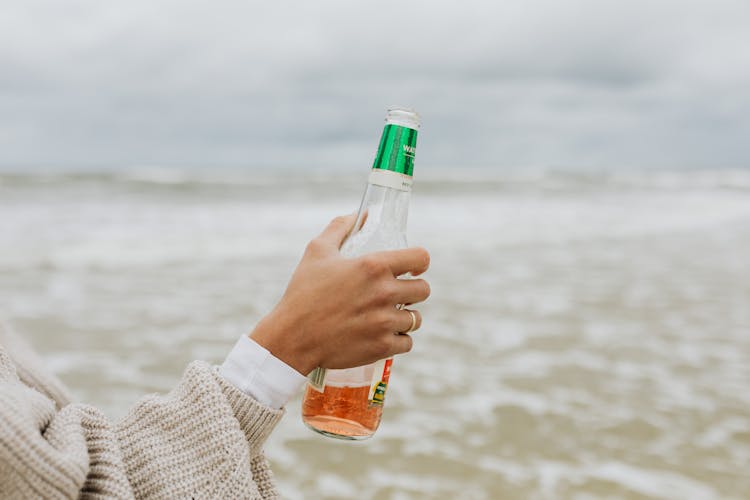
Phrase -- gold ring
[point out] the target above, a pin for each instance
(413, 320)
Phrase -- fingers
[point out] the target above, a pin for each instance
(337, 230)
(400, 344)
(409, 260)
(411, 291)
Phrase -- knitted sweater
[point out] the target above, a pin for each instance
(202, 440)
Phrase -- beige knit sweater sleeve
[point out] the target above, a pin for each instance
(202, 440)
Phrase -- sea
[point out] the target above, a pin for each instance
(587, 337)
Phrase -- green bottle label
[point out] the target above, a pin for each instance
(396, 151)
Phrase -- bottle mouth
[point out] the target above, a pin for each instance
(405, 117)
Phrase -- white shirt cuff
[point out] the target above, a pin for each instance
(255, 371)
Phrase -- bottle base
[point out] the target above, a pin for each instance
(338, 428)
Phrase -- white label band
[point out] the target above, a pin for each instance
(390, 179)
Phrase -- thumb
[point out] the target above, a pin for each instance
(337, 230)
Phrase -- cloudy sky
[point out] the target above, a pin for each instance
(616, 84)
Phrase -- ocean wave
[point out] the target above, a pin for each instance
(427, 178)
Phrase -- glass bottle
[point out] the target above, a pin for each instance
(348, 404)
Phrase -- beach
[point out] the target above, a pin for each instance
(588, 333)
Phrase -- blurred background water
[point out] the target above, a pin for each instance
(582, 183)
(588, 335)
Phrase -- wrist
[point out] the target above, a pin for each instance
(277, 335)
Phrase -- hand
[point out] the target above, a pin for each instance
(340, 312)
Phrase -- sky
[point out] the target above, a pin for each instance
(517, 83)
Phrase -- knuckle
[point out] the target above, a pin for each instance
(385, 292)
(384, 322)
(314, 246)
(339, 220)
(379, 347)
(384, 346)
(372, 266)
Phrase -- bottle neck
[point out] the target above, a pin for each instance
(386, 207)
(381, 223)
(396, 151)
(394, 161)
